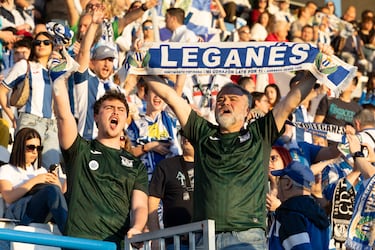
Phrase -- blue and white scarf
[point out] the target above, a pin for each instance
(240, 58)
(362, 226)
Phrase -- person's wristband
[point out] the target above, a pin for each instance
(144, 7)
(143, 148)
(358, 154)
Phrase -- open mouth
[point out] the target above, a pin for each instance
(226, 111)
(114, 123)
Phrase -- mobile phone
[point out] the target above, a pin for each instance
(53, 167)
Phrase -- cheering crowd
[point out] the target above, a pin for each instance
(105, 154)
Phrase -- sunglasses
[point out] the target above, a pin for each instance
(274, 158)
(148, 27)
(91, 6)
(31, 148)
(122, 138)
(39, 42)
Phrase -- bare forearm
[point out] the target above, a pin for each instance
(67, 129)
(293, 99)
(179, 106)
(140, 218)
(83, 56)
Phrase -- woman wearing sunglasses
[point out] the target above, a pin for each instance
(37, 112)
(31, 194)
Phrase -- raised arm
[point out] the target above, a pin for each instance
(66, 124)
(83, 57)
(361, 163)
(179, 106)
(133, 15)
(293, 99)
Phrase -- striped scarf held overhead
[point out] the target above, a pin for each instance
(240, 59)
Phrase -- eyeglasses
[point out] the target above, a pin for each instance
(39, 42)
(148, 27)
(122, 138)
(31, 148)
(274, 158)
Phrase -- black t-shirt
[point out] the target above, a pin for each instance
(172, 180)
(336, 111)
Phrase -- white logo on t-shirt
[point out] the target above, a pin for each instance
(93, 165)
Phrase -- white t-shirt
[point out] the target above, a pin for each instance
(17, 176)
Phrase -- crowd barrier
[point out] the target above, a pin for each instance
(206, 228)
(55, 240)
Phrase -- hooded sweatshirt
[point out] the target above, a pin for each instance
(300, 224)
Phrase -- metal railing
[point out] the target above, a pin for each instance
(206, 228)
(55, 240)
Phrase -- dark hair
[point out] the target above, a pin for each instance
(256, 4)
(307, 26)
(178, 13)
(365, 13)
(43, 33)
(278, 93)
(17, 156)
(111, 95)
(134, 3)
(257, 96)
(24, 42)
(145, 22)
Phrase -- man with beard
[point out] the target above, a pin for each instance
(231, 159)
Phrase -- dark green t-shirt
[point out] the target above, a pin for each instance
(100, 184)
(231, 172)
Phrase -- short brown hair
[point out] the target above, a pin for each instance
(111, 95)
(178, 13)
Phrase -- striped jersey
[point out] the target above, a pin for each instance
(40, 99)
(87, 89)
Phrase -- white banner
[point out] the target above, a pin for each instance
(240, 59)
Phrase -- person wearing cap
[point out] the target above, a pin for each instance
(300, 222)
(93, 78)
(231, 160)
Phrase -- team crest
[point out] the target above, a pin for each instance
(126, 162)
(93, 165)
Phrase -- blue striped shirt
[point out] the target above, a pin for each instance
(87, 89)
(40, 99)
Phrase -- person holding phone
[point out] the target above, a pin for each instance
(31, 194)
